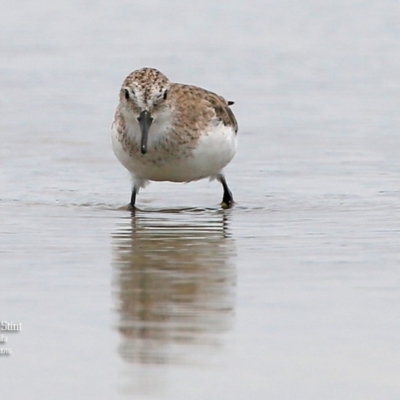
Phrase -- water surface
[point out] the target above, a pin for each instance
(292, 294)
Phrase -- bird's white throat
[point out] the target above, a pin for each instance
(160, 127)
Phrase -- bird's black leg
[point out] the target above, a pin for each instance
(133, 199)
(227, 199)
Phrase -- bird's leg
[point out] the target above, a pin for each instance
(131, 205)
(137, 183)
(227, 199)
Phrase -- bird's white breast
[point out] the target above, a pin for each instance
(208, 155)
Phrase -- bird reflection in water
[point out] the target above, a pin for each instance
(174, 284)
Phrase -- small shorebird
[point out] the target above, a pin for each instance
(166, 131)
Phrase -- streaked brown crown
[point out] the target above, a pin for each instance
(147, 86)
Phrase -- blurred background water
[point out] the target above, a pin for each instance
(292, 294)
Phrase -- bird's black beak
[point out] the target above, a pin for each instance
(145, 119)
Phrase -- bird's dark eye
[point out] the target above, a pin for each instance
(165, 95)
(126, 91)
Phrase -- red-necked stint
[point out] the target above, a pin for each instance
(166, 131)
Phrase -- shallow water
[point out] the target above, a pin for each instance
(293, 293)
